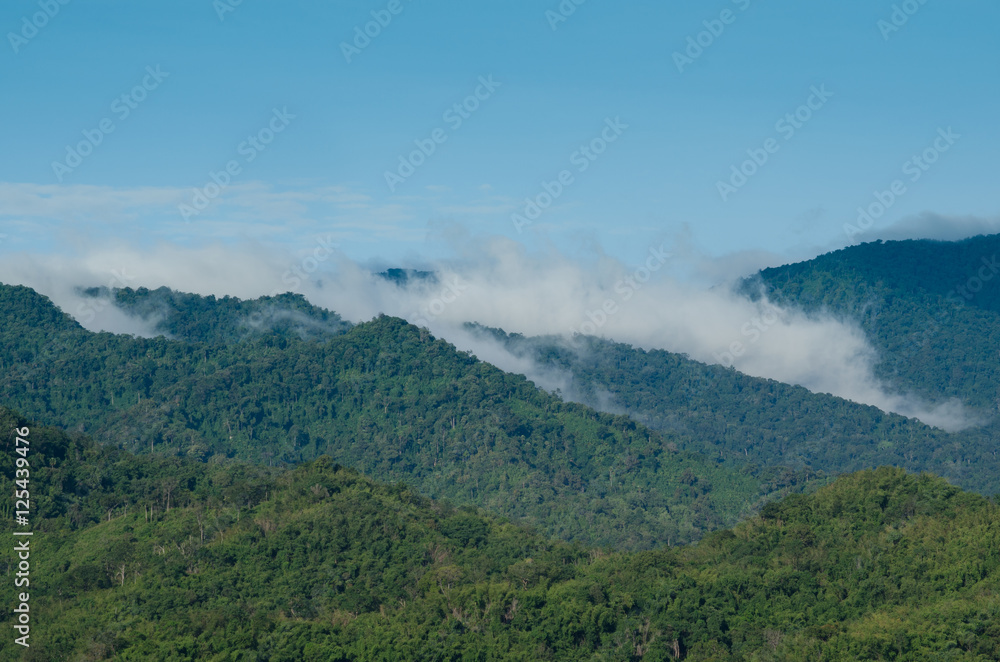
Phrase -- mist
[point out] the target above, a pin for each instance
(497, 282)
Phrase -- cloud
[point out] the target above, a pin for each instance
(240, 210)
(943, 227)
(497, 282)
(80, 202)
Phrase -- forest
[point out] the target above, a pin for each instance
(720, 412)
(152, 557)
(387, 399)
(267, 481)
(931, 308)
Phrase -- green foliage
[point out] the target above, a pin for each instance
(319, 563)
(384, 398)
(207, 319)
(185, 552)
(403, 277)
(720, 412)
(930, 308)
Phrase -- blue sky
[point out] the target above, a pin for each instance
(556, 86)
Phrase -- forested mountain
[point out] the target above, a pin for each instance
(930, 308)
(727, 414)
(403, 277)
(183, 530)
(150, 557)
(384, 398)
(195, 318)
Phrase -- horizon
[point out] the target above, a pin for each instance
(649, 124)
(536, 330)
(567, 167)
(819, 350)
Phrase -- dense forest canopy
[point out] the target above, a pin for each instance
(930, 308)
(723, 413)
(152, 557)
(385, 398)
(265, 481)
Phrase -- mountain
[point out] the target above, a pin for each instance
(195, 318)
(930, 308)
(384, 398)
(723, 413)
(403, 277)
(147, 557)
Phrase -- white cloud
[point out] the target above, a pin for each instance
(257, 239)
(498, 283)
(939, 226)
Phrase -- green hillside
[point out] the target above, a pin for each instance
(195, 318)
(151, 558)
(384, 398)
(930, 308)
(724, 413)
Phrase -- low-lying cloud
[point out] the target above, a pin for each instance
(942, 227)
(496, 282)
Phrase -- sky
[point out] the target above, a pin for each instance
(219, 146)
(701, 88)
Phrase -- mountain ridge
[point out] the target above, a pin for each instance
(145, 557)
(391, 401)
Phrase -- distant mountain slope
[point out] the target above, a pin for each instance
(208, 559)
(931, 309)
(386, 399)
(739, 418)
(904, 268)
(206, 319)
(403, 277)
(319, 563)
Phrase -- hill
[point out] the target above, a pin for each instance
(720, 412)
(140, 557)
(384, 398)
(930, 308)
(194, 318)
